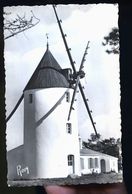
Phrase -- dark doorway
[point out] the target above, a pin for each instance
(71, 169)
(103, 166)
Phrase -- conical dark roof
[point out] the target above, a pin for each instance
(47, 74)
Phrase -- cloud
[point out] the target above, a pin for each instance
(46, 13)
(108, 125)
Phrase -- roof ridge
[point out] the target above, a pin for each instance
(97, 152)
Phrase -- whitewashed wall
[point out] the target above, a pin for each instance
(110, 162)
(47, 143)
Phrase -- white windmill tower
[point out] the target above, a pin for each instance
(50, 140)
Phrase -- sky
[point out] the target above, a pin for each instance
(81, 23)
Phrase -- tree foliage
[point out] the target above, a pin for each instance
(112, 41)
(19, 24)
(94, 137)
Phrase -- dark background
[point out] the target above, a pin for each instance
(125, 29)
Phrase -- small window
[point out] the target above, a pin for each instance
(82, 163)
(96, 163)
(91, 162)
(70, 160)
(69, 128)
(88, 163)
(30, 98)
(67, 96)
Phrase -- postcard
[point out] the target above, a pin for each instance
(62, 94)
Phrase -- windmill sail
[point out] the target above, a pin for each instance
(77, 80)
(74, 69)
(15, 108)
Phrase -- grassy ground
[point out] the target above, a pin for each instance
(74, 180)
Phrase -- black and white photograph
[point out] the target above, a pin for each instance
(63, 120)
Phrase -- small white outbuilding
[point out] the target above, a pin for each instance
(97, 162)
